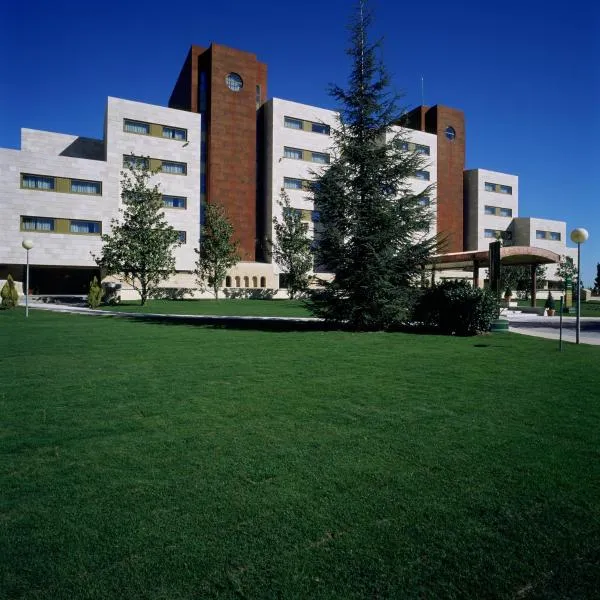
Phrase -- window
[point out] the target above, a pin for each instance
(498, 211)
(294, 153)
(136, 127)
(321, 128)
(290, 183)
(228, 281)
(258, 96)
(234, 82)
(263, 282)
(292, 123)
(320, 157)
(94, 227)
(79, 186)
(38, 182)
(182, 236)
(174, 168)
(174, 134)
(237, 281)
(493, 233)
(315, 216)
(255, 281)
(498, 188)
(424, 201)
(418, 148)
(246, 282)
(450, 133)
(134, 162)
(553, 236)
(174, 201)
(37, 224)
(424, 175)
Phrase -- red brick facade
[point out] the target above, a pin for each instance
(231, 119)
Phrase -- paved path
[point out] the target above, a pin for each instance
(524, 323)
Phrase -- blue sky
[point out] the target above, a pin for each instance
(526, 74)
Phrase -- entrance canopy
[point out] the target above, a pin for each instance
(509, 255)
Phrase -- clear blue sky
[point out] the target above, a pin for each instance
(526, 74)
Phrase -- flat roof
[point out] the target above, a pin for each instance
(509, 255)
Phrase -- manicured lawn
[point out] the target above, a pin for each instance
(146, 460)
(588, 309)
(228, 307)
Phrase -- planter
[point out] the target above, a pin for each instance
(550, 312)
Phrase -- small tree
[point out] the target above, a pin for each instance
(518, 277)
(566, 270)
(292, 247)
(95, 294)
(9, 294)
(596, 289)
(140, 247)
(218, 252)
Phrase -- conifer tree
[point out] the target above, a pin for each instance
(9, 294)
(596, 289)
(292, 247)
(375, 236)
(95, 294)
(140, 247)
(218, 250)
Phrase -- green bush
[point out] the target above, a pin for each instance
(549, 302)
(9, 294)
(455, 308)
(95, 294)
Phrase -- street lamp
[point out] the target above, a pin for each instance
(28, 245)
(578, 235)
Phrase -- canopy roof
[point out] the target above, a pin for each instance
(509, 255)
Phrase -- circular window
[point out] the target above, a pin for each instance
(234, 82)
(450, 133)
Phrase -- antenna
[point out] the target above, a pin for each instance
(422, 90)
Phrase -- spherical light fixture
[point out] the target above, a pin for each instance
(27, 244)
(579, 235)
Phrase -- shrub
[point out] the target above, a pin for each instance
(95, 294)
(549, 302)
(9, 294)
(456, 308)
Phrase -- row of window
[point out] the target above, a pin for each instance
(67, 185)
(303, 125)
(76, 226)
(155, 164)
(418, 148)
(498, 188)
(423, 175)
(497, 234)
(50, 224)
(498, 211)
(155, 130)
(298, 154)
(307, 215)
(246, 280)
(548, 235)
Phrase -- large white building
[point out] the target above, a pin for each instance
(221, 140)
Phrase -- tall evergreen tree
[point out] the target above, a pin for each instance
(292, 247)
(375, 235)
(218, 250)
(140, 247)
(596, 289)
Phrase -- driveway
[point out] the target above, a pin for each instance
(549, 327)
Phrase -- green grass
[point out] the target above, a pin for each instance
(588, 309)
(146, 460)
(228, 307)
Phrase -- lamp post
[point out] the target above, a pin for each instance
(578, 235)
(28, 245)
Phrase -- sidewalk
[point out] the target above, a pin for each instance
(549, 327)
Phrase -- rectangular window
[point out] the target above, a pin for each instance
(38, 182)
(493, 233)
(321, 128)
(555, 236)
(78, 186)
(418, 148)
(136, 127)
(320, 157)
(548, 235)
(133, 162)
(490, 210)
(37, 224)
(506, 212)
(174, 168)
(182, 236)
(424, 201)
(94, 227)
(290, 183)
(498, 188)
(294, 153)
(173, 133)
(424, 175)
(498, 211)
(292, 123)
(174, 201)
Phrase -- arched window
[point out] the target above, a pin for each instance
(246, 282)
(228, 281)
(237, 281)
(255, 281)
(263, 282)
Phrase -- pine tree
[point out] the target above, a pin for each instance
(140, 247)
(596, 289)
(218, 251)
(375, 235)
(292, 247)
(95, 294)
(9, 294)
